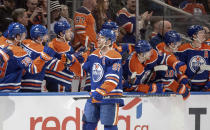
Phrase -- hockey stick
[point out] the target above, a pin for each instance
(127, 96)
(156, 68)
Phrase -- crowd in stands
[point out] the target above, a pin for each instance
(56, 56)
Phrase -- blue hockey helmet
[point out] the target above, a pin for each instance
(108, 34)
(38, 31)
(110, 25)
(172, 37)
(142, 46)
(61, 26)
(15, 29)
(193, 30)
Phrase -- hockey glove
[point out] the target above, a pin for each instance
(79, 57)
(180, 67)
(47, 54)
(184, 91)
(70, 59)
(127, 87)
(152, 88)
(98, 95)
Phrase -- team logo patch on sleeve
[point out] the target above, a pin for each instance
(97, 72)
(196, 62)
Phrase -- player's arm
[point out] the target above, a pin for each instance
(172, 61)
(35, 66)
(124, 22)
(80, 23)
(4, 57)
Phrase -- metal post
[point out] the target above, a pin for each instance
(138, 37)
(48, 16)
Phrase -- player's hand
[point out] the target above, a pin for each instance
(96, 97)
(180, 67)
(143, 88)
(184, 91)
(69, 59)
(47, 54)
(156, 88)
(79, 57)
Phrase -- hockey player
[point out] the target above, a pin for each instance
(104, 66)
(172, 81)
(141, 63)
(34, 47)
(125, 47)
(15, 59)
(195, 55)
(61, 81)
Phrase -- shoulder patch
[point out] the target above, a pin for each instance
(112, 54)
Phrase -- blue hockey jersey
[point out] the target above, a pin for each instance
(105, 73)
(194, 58)
(128, 22)
(13, 66)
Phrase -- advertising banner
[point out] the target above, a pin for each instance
(62, 112)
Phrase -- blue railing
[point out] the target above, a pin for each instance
(86, 93)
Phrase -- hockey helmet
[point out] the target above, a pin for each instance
(38, 31)
(15, 29)
(108, 34)
(193, 30)
(172, 37)
(142, 46)
(61, 26)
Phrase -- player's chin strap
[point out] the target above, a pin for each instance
(40, 42)
(63, 37)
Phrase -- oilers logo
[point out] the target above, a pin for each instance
(97, 72)
(196, 62)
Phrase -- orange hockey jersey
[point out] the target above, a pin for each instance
(85, 32)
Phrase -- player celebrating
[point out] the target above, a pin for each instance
(61, 81)
(195, 55)
(172, 81)
(141, 65)
(34, 47)
(104, 66)
(16, 59)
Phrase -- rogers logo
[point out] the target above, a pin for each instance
(42, 123)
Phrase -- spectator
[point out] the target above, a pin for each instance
(55, 13)
(35, 13)
(100, 13)
(20, 15)
(6, 14)
(155, 27)
(126, 19)
(164, 26)
(191, 6)
(43, 5)
(65, 14)
(85, 35)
